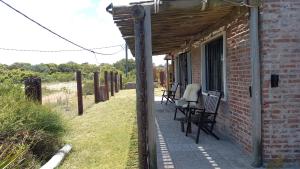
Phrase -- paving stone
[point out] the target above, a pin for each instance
(175, 150)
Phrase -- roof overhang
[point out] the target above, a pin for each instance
(176, 24)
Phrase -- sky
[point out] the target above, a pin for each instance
(84, 22)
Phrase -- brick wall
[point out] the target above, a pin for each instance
(280, 52)
(196, 64)
(234, 118)
(239, 80)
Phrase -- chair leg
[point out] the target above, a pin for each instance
(189, 123)
(175, 113)
(200, 126)
(198, 134)
(213, 134)
(167, 100)
(182, 126)
(187, 129)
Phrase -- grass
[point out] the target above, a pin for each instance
(47, 92)
(132, 159)
(105, 136)
(27, 129)
(66, 104)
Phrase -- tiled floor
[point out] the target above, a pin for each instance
(175, 150)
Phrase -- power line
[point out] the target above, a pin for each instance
(44, 27)
(111, 53)
(64, 50)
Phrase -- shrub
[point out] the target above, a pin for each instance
(37, 126)
(88, 87)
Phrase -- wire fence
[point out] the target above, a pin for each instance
(63, 98)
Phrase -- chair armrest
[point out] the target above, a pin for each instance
(198, 108)
(191, 101)
(163, 90)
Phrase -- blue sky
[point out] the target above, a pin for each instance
(83, 21)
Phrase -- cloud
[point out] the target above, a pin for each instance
(85, 22)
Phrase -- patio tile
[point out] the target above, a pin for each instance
(175, 150)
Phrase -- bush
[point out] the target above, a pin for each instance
(88, 87)
(58, 77)
(35, 125)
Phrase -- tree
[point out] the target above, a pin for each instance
(3, 66)
(53, 68)
(68, 67)
(20, 65)
(42, 68)
(122, 63)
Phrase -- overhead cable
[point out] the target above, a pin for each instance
(44, 27)
(64, 50)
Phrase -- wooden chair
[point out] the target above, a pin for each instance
(169, 94)
(205, 117)
(189, 99)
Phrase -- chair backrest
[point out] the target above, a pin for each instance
(212, 101)
(191, 92)
(174, 87)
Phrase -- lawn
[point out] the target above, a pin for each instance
(105, 136)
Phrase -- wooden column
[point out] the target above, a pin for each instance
(33, 89)
(167, 75)
(79, 93)
(256, 88)
(173, 69)
(121, 82)
(112, 84)
(106, 84)
(144, 88)
(96, 87)
(116, 82)
(126, 58)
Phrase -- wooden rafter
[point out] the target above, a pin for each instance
(172, 28)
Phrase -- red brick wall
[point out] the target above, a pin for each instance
(196, 64)
(234, 118)
(239, 80)
(280, 52)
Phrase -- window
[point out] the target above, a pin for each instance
(213, 72)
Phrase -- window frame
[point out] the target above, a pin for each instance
(203, 63)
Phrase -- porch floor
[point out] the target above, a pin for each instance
(175, 150)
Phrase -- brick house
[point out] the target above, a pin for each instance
(212, 44)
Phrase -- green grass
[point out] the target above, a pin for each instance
(105, 136)
(36, 128)
(132, 159)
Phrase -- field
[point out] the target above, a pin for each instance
(104, 135)
(62, 98)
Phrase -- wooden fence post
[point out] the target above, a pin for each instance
(102, 95)
(106, 84)
(112, 83)
(33, 89)
(162, 78)
(116, 82)
(121, 82)
(79, 93)
(96, 87)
